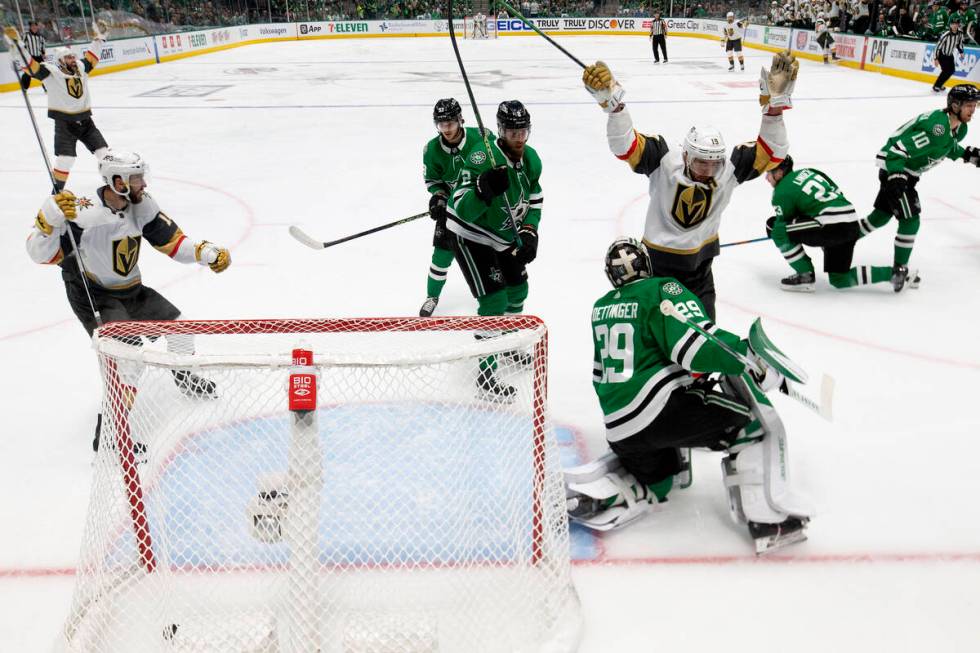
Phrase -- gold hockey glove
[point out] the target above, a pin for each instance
(776, 84)
(209, 254)
(601, 84)
(66, 203)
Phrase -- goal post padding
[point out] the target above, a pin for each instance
(408, 511)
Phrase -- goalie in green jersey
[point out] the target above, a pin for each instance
(810, 209)
(493, 215)
(443, 159)
(654, 408)
(916, 147)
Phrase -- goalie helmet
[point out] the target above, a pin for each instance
(124, 165)
(627, 260)
(511, 114)
(447, 110)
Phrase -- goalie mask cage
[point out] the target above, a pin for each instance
(479, 27)
(376, 500)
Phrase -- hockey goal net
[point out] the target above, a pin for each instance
(342, 485)
(480, 26)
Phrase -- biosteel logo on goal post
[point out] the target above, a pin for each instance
(302, 383)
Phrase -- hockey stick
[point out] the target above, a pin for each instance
(479, 121)
(54, 185)
(823, 407)
(540, 33)
(746, 242)
(313, 243)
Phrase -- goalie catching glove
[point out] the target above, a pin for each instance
(209, 254)
(776, 84)
(601, 84)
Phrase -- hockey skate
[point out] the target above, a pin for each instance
(731, 67)
(519, 358)
(902, 278)
(428, 306)
(769, 537)
(603, 496)
(802, 282)
(194, 386)
(490, 389)
(741, 67)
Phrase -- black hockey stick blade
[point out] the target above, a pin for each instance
(313, 243)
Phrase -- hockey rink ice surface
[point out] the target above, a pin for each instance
(328, 135)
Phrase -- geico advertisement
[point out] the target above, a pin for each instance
(570, 24)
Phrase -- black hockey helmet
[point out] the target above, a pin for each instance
(511, 114)
(785, 166)
(446, 110)
(962, 93)
(627, 260)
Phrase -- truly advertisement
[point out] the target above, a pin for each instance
(513, 25)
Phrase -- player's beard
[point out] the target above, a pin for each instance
(136, 196)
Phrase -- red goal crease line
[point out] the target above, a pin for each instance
(815, 558)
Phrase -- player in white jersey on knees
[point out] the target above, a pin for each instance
(109, 225)
(70, 105)
(733, 31)
(654, 409)
(690, 187)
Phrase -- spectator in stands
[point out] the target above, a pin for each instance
(923, 30)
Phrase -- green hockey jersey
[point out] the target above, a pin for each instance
(810, 195)
(641, 355)
(442, 164)
(921, 143)
(473, 219)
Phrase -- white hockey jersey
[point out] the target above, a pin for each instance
(733, 31)
(68, 95)
(109, 241)
(683, 216)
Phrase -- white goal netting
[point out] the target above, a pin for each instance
(480, 26)
(394, 496)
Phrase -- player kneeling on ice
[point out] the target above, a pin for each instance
(811, 210)
(648, 340)
(108, 225)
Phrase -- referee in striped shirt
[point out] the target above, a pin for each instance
(34, 43)
(949, 42)
(658, 36)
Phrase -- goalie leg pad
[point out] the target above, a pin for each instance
(590, 487)
(757, 477)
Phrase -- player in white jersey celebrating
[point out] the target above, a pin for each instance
(732, 33)
(109, 225)
(70, 105)
(690, 187)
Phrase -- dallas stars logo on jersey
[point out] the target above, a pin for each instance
(125, 254)
(691, 204)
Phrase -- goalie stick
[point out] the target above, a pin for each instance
(313, 243)
(47, 166)
(822, 407)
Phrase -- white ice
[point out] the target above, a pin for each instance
(328, 135)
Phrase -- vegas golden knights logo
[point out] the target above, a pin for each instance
(75, 88)
(691, 204)
(125, 253)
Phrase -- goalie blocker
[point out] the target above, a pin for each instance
(655, 409)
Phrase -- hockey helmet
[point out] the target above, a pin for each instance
(61, 55)
(447, 110)
(512, 114)
(121, 164)
(963, 93)
(730, 14)
(705, 145)
(627, 260)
